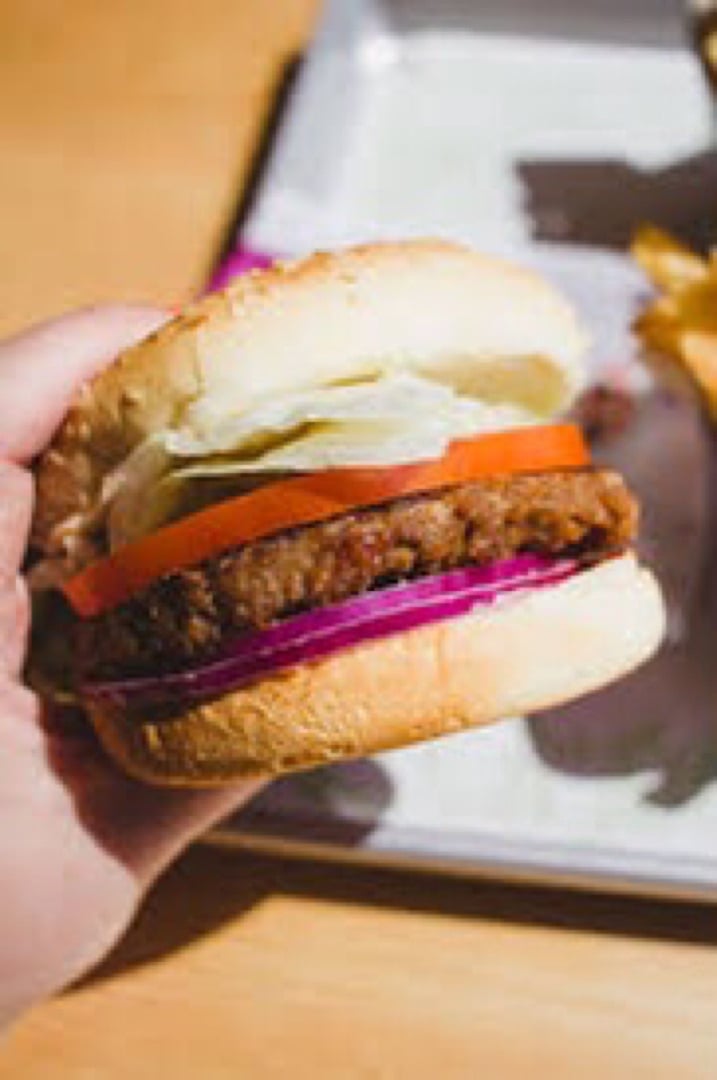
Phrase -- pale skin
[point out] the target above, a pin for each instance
(80, 843)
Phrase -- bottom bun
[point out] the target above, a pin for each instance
(526, 653)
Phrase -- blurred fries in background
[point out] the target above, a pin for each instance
(681, 322)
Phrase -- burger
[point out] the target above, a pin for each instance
(329, 511)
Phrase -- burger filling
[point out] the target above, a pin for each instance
(185, 616)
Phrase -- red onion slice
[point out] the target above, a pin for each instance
(315, 634)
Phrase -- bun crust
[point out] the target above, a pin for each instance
(426, 306)
(528, 653)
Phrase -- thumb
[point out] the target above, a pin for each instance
(42, 369)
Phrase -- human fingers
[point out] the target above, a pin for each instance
(42, 368)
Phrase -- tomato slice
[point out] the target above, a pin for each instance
(313, 497)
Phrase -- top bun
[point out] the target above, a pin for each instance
(482, 325)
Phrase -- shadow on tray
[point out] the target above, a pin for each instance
(339, 804)
(662, 718)
(601, 202)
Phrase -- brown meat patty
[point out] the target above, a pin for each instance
(185, 616)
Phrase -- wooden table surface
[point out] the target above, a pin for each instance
(127, 130)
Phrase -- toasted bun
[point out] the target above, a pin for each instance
(425, 306)
(527, 653)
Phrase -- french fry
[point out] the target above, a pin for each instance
(681, 323)
(700, 358)
(670, 264)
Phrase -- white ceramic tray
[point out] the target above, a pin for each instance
(546, 131)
